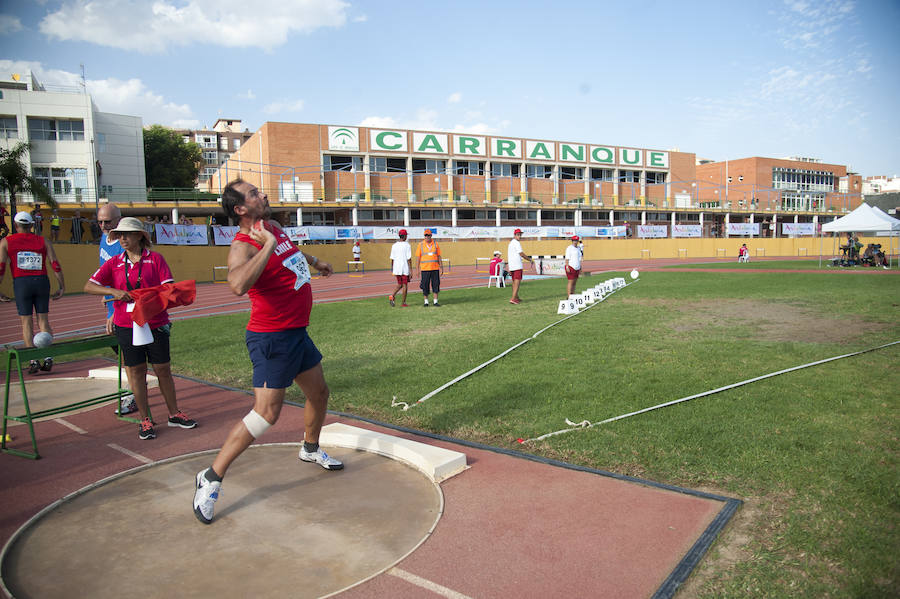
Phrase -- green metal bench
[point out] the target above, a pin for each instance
(14, 360)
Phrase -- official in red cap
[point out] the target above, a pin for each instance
(401, 267)
(573, 265)
(515, 257)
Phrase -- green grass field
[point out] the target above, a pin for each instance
(813, 453)
(756, 264)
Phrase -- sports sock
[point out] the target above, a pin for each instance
(310, 447)
(211, 476)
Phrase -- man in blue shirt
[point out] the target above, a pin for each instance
(108, 217)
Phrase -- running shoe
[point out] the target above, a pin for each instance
(391, 299)
(47, 365)
(404, 305)
(437, 305)
(205, 497)
(33, 367)
(180, 419)
(515, 301)
(146, 429)
(321, 458)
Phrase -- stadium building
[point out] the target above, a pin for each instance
(345, 175)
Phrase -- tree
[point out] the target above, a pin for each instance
(169, 160)
(14, 178)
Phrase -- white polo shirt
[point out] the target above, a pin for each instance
(401, 253)
(573, 257)
(512, 255)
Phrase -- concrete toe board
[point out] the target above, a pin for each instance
(282, 528)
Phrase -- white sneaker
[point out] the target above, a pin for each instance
(205, 497)
(321, 458)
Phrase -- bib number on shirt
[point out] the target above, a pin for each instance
(29, 261)
(296, 263)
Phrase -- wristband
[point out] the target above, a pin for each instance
(55, 266)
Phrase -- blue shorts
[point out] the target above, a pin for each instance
(32, 294)
(280, 356)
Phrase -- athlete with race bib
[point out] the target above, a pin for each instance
(265, 264)
(29, 255)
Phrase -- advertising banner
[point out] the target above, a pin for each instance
(743, 229)
(798, 228)
(618, 231)
(181, 234)
(687, 231)
(652, 231)
(224, 235)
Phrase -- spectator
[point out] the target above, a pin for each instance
(77, 230)
(55, 223)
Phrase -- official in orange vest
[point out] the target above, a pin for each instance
(431, 267)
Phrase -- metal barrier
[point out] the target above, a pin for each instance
(17, 356)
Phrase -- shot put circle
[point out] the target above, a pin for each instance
(282, 528)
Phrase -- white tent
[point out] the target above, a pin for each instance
(864, 219)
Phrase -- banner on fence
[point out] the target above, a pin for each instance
(181, 234)
(798, 228)
(652, 231)
(687, 231)
(743, 229)
(224, 235)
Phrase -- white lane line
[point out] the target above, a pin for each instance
(68, 424)
(130, 453)
(426, 584)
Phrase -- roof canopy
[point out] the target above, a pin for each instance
(864, 219)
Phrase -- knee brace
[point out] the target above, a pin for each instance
(256, 425)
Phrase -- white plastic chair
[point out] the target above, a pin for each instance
(501, 267)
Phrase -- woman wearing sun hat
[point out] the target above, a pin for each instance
(135, 268)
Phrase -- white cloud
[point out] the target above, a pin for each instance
(9, 24)
(248, 95)
(427, 120)
(130, 97)
(283, 106)
(455, 98)
(152, 27)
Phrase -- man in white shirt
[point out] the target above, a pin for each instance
(573, 265)
(357, 255)
(514, 257)
(401, 267)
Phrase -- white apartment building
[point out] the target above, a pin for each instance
(82, 155)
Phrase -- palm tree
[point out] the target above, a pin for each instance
(14, 178)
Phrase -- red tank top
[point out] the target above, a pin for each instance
(281, 298)
(27, 254)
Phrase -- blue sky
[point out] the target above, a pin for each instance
(721, 79)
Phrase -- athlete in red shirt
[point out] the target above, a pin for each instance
(28, 255)
(264, 263)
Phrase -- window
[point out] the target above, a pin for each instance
(9, 128)
(106, 191)
(71, 130)
(469, 167)
(504, 169)
(211, 157)
(629, 176)
(431, 214)
(571, 172)
(343, 163)
(101, 142)
(41, 129)
(63, 181)
(380, 164)
(602, 174)
(236, 144)
(435, 167)
(655, 178)
(205, 141)
(474, 215)
(538, 171)
(396, 215)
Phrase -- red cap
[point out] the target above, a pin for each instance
(402, 232)
(517, 231)
(574, 237)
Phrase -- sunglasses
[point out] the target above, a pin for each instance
(105, 222)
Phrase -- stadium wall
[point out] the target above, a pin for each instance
(196, 262)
